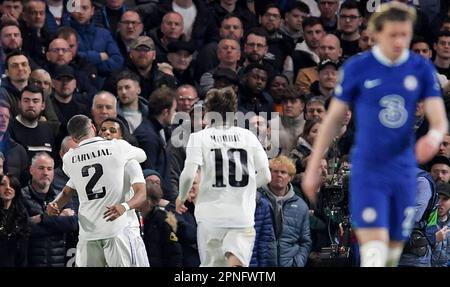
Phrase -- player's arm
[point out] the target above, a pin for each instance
(263, 175)
(134, 173)
(428, 145)
(329, 129)
(55, 207)
(186, 179)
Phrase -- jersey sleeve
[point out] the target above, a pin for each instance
(133, 171)
(70, 184)
(194, 150)
(131, 152)
(430, 83)
(347, 88)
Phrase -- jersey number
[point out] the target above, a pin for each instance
(242, 158)
(98, 172)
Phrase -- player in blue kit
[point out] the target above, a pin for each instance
(383, 86)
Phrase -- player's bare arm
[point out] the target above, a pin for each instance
(186, 179)
(428, 146)
(115, 211)
(329, 129)
(54, 207)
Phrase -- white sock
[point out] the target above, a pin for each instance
(374, 254)
(394, 256)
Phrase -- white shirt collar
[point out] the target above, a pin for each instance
(376, 51)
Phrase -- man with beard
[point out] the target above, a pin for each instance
(10, 39)
(26, 129)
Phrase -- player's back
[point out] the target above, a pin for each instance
(384, 98)
(229, 157)
(96, 171)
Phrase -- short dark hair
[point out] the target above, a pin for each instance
(160, 100)
(78, 126)
(298, 5)
(34, 89)
(258, 31)
(272, 5)
(311, 21)
(442, 33)
(349, 5)
(9, 23)
(128, 75)
(65, 32)
(15, 53)
(5, 104)
(418, 39)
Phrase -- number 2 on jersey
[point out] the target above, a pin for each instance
(98, 172)
(242, 161)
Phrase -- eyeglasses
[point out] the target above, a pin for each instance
(57, 50)
(112, 130)
(133, 23)
(255, 45)
(348, 17)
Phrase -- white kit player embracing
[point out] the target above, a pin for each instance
(233, 165)
(96, 170)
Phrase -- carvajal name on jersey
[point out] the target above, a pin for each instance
(225, 138)
(91, 155)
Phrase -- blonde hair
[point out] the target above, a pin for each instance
(285, 161)
(391, 11)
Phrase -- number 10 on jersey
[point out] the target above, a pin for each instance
(236, 157)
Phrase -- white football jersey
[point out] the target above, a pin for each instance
(228, 157)
(133, 174)
(96, 171)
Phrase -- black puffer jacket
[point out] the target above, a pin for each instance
(47, 242)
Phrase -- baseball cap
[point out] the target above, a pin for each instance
(63, 71)
(143, 41)
(324, 63)
(227, 74)
(148, 172)
(444, 189)
(179, 45)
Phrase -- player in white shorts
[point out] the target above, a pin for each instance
(233, 165)
(96, 170)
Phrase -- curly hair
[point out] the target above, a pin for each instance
(221, 101)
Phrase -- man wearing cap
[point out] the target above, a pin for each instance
(440, 169)
(179, 56)
(142, 62)
(292, 121)
(441, 251)
(224, 77)
(328, 76)
(65, 99)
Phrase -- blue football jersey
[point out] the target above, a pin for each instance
(384, 97)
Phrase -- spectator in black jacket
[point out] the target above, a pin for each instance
(161, 242)
(14, 227)
(47, 242)
(152, 135)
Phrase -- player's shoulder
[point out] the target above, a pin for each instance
(419, 62)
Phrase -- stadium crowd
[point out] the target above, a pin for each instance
(141, 70)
